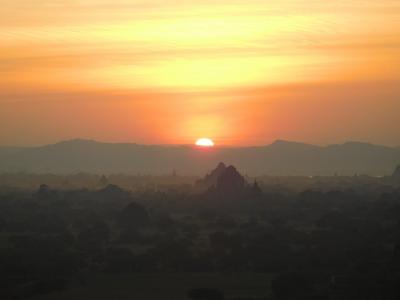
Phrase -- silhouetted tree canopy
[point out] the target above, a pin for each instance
(205, 294)
(133, 216)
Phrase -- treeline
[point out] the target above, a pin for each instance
(316, 245)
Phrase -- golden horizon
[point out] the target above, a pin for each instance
(243, 72)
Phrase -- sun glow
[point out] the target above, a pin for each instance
(171, 71)
(204, 142)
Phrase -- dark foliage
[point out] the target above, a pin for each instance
(315, 244)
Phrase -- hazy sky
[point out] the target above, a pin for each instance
(240, 72)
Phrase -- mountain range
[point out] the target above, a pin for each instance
(279, 158)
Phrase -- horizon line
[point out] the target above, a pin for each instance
(276, 141)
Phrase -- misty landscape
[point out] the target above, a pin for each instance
(199, 150)
(217, 236)
(278, 158)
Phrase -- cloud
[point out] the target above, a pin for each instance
(245, 72)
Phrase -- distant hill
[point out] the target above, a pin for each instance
(278, 158)
(223, 178)
(211, 179)
(226, 182)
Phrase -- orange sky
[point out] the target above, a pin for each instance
(240, 72)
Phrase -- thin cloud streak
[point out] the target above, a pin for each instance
(216, 66)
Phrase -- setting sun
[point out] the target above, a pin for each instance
(243, 72)
(204, 142)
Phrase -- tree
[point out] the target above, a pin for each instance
(205, 294)
(133, 216)
(292, 285)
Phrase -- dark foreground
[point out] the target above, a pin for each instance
(156, 286)
(232, 240)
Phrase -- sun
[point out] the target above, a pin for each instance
(205, 142)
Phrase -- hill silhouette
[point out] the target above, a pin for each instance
(222, 178)
(211, 179)
(230, 180)
(278, 158)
